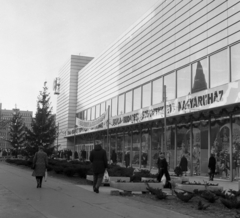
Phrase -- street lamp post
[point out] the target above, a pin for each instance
(165, 118)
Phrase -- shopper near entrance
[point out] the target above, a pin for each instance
(98, 157)
(114, 157)
(40, 164)
(212, 166)
(83, 155)
(162, 168)
(184, 164)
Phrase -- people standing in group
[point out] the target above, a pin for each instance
(212, 166)
(114, 157)
(98, 157)
(184, 164)
(40, 164)
(162, 168)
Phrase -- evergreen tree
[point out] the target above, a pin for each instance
(43, 128)
(17, 131)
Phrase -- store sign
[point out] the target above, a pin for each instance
(207, 99)
(93, 123)
(212, 98)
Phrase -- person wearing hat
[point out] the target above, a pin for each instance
(40, 164)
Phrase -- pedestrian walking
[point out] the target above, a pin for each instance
(98, 157)
(162, 168)
(40, 164)
(212, 167)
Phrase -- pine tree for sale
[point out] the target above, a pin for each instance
(43, 128)
(17, 132)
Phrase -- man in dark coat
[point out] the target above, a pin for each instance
(162, 168)
(212, 166)
(98, 157)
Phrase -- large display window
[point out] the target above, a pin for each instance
(200, 76)
(219, 73)
(145, 155)
(121, 104)
(236, 146)
(157, 91)
(98, 111)
(170, 82)
(183, 81)
(114, 106)
(129, 102)
(120, 148)
(146, 96)
(137, 98)
(156, 146)
(220, 146)
(127, 148)
(235, 63)
(93, 117)
(136, 149)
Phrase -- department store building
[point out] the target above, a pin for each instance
(192, 48)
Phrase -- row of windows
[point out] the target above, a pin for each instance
(212, 71)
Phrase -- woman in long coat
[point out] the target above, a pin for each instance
(40, 164)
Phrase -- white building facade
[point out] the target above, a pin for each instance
(192, 48)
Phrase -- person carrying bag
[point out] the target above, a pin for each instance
(98, 157)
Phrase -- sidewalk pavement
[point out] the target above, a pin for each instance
(19, 197)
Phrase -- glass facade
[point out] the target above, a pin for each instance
(108, 104)
(114, 106)
(170, 82)
(156, 147)
(235, 63)
(127, 149)
(98, 111)
(120, 148)
(121, 104)
(141, 148)
(137, 98)
(157, 91)
(89, 114)
(145, 151)
(136, 149)
(93, 117)
(220, 146)
(200, 76)
(128, 101)
(103, 108)
(146, 95)
(219, 69)
(236, 145)
(183, 81)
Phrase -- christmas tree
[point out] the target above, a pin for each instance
(17, 131)
(43, 128)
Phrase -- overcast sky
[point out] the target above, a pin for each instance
(37, 37)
